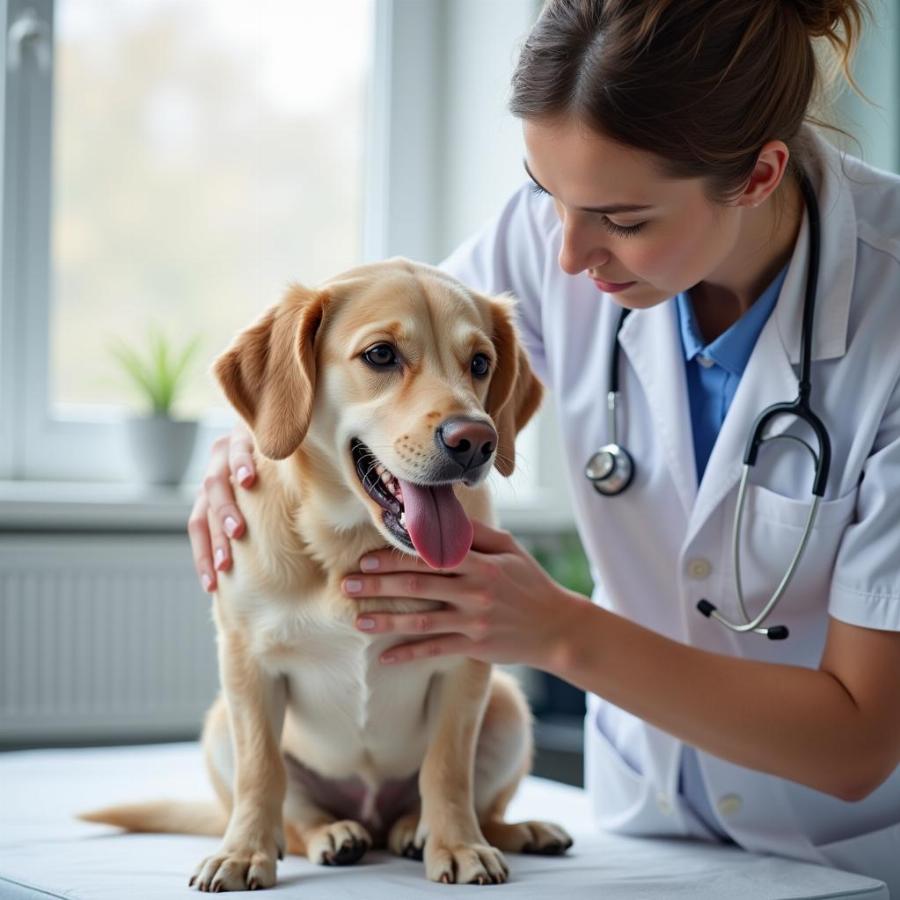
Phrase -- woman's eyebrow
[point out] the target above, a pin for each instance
(606, 210)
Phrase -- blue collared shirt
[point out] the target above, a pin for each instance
(714, 370)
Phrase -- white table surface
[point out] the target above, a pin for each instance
(45, 852)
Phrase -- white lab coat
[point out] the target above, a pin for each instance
(666, 542)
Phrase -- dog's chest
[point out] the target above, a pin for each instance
(348, 713)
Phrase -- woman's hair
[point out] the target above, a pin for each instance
(702, 84)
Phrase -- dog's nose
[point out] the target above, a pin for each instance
(468, 442)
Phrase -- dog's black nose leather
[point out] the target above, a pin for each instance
(468, 442)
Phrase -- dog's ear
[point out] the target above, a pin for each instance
(515, 392)
(269, 372)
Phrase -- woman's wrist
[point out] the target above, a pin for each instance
(566, 645)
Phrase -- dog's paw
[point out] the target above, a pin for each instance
(546, 838)
(543, 838)
(238, 869)
(337, 843)
(464, 863)
(405, 839)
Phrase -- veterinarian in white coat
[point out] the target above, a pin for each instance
(665, 543)
(786, 746)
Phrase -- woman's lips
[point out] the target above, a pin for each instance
(612, 287)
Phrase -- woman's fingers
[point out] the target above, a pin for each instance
(445, 645)
(201, 543)
(221, 546)
(240, 456)
(436, 622)
(223, 508)
(391, 560)
(491, 540)
(419, 585)
(215, 517)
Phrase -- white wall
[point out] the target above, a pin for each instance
(480, 147)
(876, 125)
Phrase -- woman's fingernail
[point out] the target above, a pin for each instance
(369, 563)
(207, 582)
(230, 526)
(366, 624)
(388, 658)
(352, 585)
(243, 474)
(220, 558)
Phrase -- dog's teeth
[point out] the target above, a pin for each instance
(386, 477)
(379, 468)
(403, 519)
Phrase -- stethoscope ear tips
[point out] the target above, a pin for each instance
(610, 470)
(773, 632)
(706, 608)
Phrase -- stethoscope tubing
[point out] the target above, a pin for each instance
(611, 469)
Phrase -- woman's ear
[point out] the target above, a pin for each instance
(269, 372)
(515, 393)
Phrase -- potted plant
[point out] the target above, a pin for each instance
(161, 445)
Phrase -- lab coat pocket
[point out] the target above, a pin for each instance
(789, 511)
(618, 791)
(771, 532)
(875, 853)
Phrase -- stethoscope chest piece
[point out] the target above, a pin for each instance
(610, 470)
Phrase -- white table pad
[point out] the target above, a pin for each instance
(44, 852)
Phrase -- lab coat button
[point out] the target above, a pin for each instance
(706, 362)
(665, 805)
(699, 568)
(730, 804)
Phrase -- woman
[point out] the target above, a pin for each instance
(666, 143)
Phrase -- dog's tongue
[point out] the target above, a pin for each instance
(438, 525)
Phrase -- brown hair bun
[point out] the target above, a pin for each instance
(823, 18)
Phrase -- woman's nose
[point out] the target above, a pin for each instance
(580, 249)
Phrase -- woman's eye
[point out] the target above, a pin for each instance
(381, 356)
(622, 230)
(481, 365)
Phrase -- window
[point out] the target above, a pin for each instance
(170, 163)
(205, 154)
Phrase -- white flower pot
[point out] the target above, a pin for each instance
(161, 447)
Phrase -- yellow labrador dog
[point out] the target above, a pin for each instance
(378, 404)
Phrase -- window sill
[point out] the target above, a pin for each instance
(34, 506)
(93, 506)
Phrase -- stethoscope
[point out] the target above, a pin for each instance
(611, 468)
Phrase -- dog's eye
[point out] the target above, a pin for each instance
(481, 365)
(381, 356)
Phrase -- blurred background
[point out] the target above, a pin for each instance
(169, 167)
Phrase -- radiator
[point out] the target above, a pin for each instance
(108, 637)
(103, 637)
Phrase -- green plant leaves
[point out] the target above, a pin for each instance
(158, 370)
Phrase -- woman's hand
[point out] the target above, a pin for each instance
(502, 607)
(215, 517)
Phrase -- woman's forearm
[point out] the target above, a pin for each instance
(796, 723)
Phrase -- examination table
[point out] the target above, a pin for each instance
(45, 852)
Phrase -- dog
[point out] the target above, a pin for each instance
(378, 403)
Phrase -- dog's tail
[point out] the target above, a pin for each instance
(164, 816)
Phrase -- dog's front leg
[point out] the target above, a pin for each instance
(254, 838)
(455, 848)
